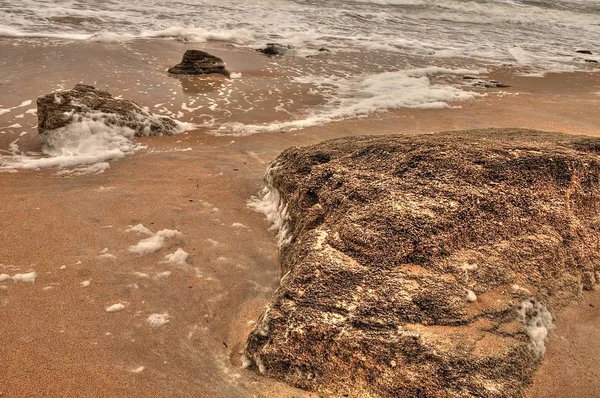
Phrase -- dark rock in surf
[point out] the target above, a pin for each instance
(591, 61)
(196, 62)
(426, 266)
(275, 49)
(588, 52)
(483, 83)
(88, 104)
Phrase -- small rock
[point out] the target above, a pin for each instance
(275, 49)
(591, 61)
(324, 50)
(196, 62)
(584, 52)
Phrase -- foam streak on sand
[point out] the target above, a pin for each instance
(115, 307)
(153, 243)
(350, 97)
(179, 257)
(27, 278)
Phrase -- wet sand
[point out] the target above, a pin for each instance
(62, 342)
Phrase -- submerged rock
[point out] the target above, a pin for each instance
(275, 49)
(426, 265)
(196, 62)
(86, 103)
(484, 83)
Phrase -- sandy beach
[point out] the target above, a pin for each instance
(56, 336)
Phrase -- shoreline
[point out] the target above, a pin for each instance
(49, 221)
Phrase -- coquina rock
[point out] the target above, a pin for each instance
(85, 103)
(196, 62)
(426, 266)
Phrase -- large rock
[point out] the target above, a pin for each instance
(426, 266)
(196, 62)
(85, 103)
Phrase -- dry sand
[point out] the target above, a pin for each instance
(62, 342)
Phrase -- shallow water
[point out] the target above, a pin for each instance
(533, 33)
(381, 55)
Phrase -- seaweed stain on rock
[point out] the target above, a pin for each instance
(427, 265)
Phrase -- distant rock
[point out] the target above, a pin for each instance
(426, 266)
(484, 83)
(196, 62)
(584, 52)
(87, 103)
(275, 49)
(591, 61)
(324, 50)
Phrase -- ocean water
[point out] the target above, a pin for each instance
(383, 54)
(536, 33)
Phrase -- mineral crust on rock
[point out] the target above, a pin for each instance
(426, 266)
(196, 62)
(86, 103)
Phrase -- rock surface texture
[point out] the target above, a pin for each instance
(85, 103)
(426, 266)
(196, 62)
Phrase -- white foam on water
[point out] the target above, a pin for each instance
(200, 34)
(364, 95)
(110, 37)
(551, 28)
(364, 38)
(84, 144)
